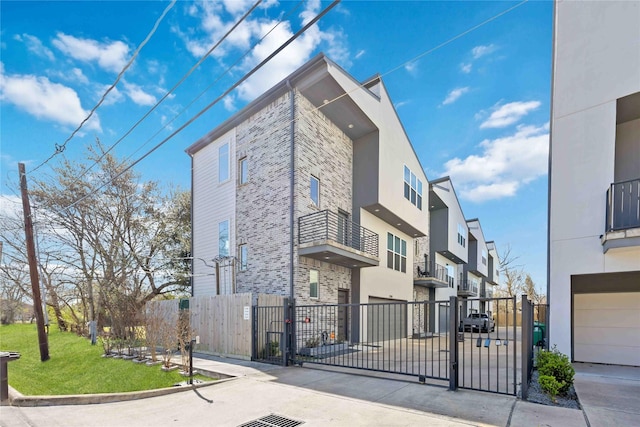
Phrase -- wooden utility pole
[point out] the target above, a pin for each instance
(33, 265)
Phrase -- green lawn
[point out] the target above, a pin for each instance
(75, 366)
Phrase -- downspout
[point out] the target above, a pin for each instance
(191, 217)
(553, 68)
(291, 186)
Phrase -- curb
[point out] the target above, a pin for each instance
(18, 399)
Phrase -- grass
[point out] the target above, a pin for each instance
(75, 366)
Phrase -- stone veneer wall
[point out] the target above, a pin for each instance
(324, 151)
(262, 204)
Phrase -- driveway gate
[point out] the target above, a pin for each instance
(423, 339)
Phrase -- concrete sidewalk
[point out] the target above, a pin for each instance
(320, 397)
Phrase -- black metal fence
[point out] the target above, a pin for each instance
(623, 205)
(535, 337)
(327, 225)
(424, 339)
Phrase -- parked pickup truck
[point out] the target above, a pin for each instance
(478, 321)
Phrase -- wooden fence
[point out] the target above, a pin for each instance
(222, 322)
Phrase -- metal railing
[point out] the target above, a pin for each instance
(468, 285)
(327, 225)
(425, 269)
(623, 205)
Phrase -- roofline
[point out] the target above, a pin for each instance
(254, 105)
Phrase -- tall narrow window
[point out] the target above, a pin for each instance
(484, 257)
(412, 188)
(223, 238)
(462, 236)
(313, 283)
(396, 253)
(242, 255)
(315, 190)
(223, 162)
(243, 172)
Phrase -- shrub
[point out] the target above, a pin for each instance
(550, 385)
(557, 365)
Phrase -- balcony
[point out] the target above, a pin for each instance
(487, 292)
(431, 275)
(330, 237)
(622, 228)
(468, 288)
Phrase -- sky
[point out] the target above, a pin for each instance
(470, 82)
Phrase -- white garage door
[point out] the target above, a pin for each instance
(607, 328)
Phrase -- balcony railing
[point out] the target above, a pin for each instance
(434, 270)
(623, 205)
(330, 226)
(468, 286)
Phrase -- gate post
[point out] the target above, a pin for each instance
(453, 343)
(289, 350)
(527, 345)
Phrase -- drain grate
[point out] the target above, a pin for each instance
(272, 421)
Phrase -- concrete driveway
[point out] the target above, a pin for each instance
(609, 394)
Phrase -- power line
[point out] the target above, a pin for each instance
(211, 104)
(359, 86)
(225, 72)
(60, 147)
(196, 65)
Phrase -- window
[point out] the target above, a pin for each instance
(243, 173)
(315, 190)
(223, 162)
(450, 275)
(223, 238)
(462, 236)
(484, 257)
(396, 253)
(412, 188)
(313, 283)
(242, 255)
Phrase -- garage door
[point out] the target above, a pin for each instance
(386, 319)
(606, 328)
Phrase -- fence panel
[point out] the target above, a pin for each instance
(487, 355)
(407, 338)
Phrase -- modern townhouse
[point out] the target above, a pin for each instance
(312, 191)
(594, 206)
(476, 270)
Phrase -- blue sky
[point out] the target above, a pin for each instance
(475, 104)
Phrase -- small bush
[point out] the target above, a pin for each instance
(550, 385)
(557, 365)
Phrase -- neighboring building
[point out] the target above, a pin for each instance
(316, 191)
(594, 206)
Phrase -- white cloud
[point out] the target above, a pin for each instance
(198, 40)
(401, 104)
(482, 50)
(44, 99)
(113, 97)
(138, 95)
(79, 76)
(111, 56)
(229, 102)
(504, 165)
(466, 68)
(509, 113)
(412, 68)
(34, 45)
(360, 53)
(454, 94)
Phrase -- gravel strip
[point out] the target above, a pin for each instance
(537, 395)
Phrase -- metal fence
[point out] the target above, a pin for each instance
(623, 205)
(400, 338)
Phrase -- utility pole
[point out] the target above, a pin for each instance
(33, 265)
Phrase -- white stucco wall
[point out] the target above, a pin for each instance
(597, 61)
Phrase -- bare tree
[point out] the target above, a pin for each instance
(105, 250)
